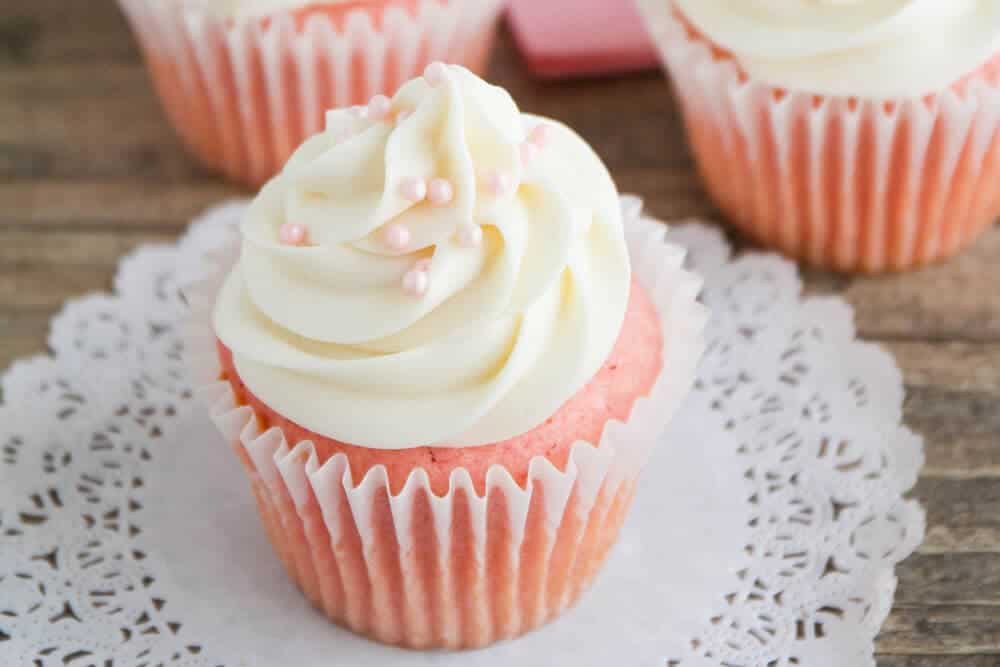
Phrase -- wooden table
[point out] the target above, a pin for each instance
(89, 169)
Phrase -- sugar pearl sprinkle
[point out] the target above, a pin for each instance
(379, 108)
(413, 189)
(541, 135)
(436, 74)
(470, 235)
(498, 183)
(396, 237)
(416, 281)
(292, 233)
(440, 191)
(529, 152)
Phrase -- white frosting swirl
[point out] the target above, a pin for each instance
(508, 330)
(866, 48)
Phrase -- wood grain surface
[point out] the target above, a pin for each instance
(89, 169)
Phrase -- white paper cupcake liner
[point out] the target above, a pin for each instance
(243, 93)
(465, 569)
(844, 183)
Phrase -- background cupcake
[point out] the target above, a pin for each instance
(860, 136)
(244, 82)
(444, 361)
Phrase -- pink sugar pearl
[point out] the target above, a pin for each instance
(529, 151)
(497, 182)
(292, 233)
(379, 107)
(541, 135)
(436, 73)
(413, 189)
(396, 236)
(470, 235)
(416, 283)
(440, 191)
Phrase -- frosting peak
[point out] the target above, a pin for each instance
(433, 269)
(866, 48)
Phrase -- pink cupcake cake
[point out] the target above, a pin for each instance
(443, 357)
(860, 136)
(244, 82)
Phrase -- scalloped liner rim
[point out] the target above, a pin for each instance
(659, 267)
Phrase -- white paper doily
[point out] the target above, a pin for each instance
(765, 533)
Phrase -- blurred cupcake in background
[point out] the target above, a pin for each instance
(244, 82)
(859, 136)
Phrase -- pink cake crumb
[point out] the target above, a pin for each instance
(628, 374)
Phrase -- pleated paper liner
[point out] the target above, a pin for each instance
(841, 183)
(243, 93)
(465, 569)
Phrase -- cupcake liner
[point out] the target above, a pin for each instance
(243, 93)
(464, 569)
(844, 183)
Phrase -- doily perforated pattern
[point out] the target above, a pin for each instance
(814, 416)
(807, 416)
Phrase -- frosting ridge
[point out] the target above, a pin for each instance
(437, 269)
(866, 48)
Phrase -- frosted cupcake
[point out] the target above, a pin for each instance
(244, 82)
(445, 357)
(855, 135)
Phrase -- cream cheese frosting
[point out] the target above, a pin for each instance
(438, 269)
(865, 48)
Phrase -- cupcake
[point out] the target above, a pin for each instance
(443, 356)
(244, 82)
(859, 136)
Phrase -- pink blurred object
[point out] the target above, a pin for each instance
(560, 38)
